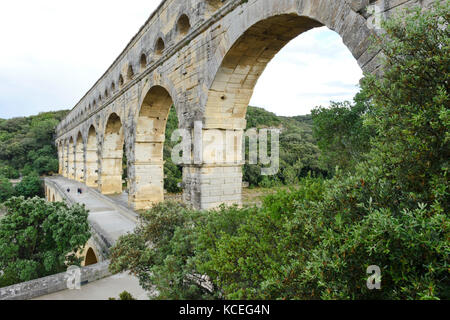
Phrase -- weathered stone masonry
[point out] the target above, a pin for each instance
(204, 57)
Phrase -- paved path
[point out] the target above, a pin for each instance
(102, 212)
(102, 289)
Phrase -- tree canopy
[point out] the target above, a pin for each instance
(39, 238)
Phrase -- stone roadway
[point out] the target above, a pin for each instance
(114, 222)
(103, 211)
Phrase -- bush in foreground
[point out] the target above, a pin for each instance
(39, 238)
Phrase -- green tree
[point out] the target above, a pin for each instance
(6, 189)
(341, 135)
(39, 238)
(29, 142)
(30, 186)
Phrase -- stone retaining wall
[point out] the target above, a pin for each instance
(51, 284)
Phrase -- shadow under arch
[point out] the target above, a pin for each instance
(148, 188)
(112, 155)
(90, 258)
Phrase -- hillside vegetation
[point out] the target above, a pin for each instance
(27, 144)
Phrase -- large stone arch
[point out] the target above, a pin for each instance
(250, 41)
(256, 35)
(112, 155)
(79, 158)
(92, 169)
(147, 187)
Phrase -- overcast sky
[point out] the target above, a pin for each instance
(53, 51)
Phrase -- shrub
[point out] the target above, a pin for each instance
(39, 238)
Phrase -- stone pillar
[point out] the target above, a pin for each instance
(71, 162)
(214, 176)
(111, 178)
(148, 184)
(91, 166)
(79, 162)
(65, 161)
(60, 159)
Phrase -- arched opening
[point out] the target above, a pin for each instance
(79, 158)
(121, 82)
(232, 88)
(130, 73)
(143, 62)
(183, 25)
(113, 88)
(112, 167)
(71, 160)
(53, 198)
(149, 146)
(160, 46)
(92, 159)
(91, 258)
(106, 94)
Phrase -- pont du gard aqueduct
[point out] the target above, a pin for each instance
(203, 57)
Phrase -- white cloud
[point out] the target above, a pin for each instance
(53, 51)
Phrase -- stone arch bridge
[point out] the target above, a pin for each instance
(203, 57)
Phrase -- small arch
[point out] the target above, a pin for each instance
(106, 94)
(130, 73)
(91, 258)
(121, 82)
(183, 25)
(160, 46)
(113, 87)
(143, 61)
(213, 5)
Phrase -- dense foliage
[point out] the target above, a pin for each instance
(342, 136)
(299, 154)
(27, 144)
(39, 238)
(317, 240)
